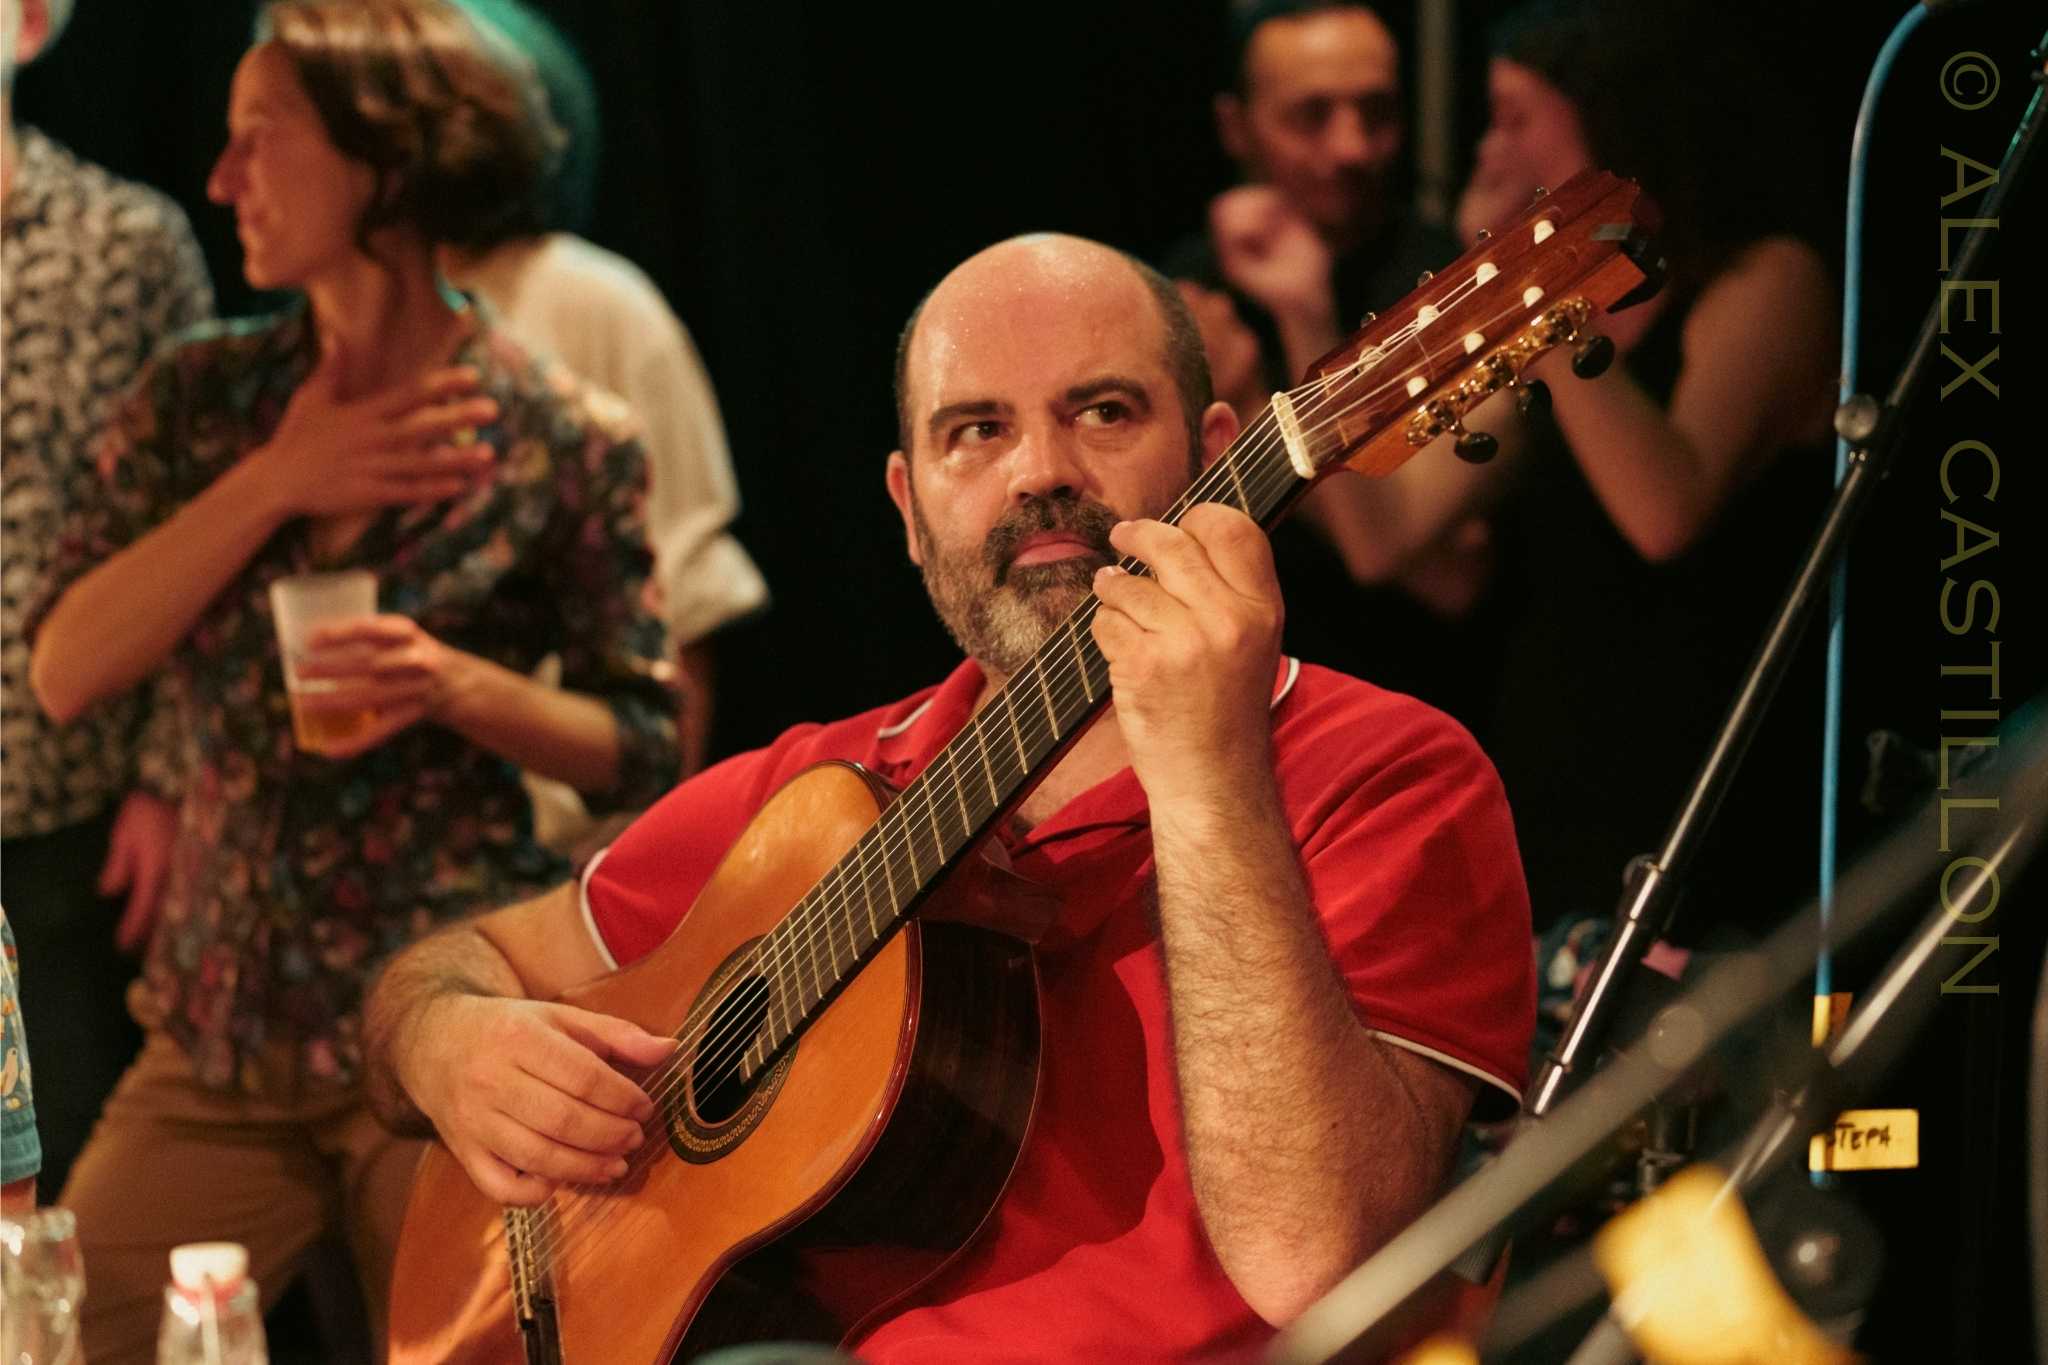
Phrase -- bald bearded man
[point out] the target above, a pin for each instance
(1291, 939)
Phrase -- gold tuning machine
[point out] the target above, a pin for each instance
(1562, 323)
(1476, 447)
(1592, 356)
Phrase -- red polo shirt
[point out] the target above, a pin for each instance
(1096, 1250)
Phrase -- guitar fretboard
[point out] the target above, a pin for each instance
(980, 775)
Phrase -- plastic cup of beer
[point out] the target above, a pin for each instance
(301, 604)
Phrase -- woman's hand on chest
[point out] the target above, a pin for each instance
(415, 443)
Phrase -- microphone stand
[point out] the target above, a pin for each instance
(1873, 431)
(1650, 896)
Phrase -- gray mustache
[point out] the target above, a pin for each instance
(1089, 521)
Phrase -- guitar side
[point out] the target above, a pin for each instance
(893, 1124)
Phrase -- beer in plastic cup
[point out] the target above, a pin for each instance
(301, 604)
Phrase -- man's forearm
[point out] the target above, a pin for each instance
(1307, 1144)
(456, 961)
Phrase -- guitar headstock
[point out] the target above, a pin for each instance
(1469, 331)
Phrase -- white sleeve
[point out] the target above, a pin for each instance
(706, 578)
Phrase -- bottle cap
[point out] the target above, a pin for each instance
(198, 1267)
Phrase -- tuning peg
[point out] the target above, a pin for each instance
(1541, 191)
(1476, 447)
(1532, 398)
(1592, 356)
(1424, 278)
(1485, 234)
(1367, 320)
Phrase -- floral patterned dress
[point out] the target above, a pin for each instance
(293, 874)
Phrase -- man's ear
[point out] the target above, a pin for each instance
(897, 476)
(1219, 429)
(1233, 129)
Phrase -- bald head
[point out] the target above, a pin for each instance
(1090, 280)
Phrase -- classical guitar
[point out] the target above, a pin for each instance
(851, 1074)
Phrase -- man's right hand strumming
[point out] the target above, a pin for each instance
(527, 1095)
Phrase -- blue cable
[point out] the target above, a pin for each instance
(1838, 588)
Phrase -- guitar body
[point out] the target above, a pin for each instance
(893, 1124)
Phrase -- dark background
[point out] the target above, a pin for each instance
(794, 176)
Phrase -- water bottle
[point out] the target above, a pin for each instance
(211, 1312)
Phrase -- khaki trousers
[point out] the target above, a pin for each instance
(171, 1161)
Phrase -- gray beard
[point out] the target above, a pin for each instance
(1000, 613)
(1001, 628)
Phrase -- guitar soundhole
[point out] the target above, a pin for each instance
(722, 1107)
(716, 1084)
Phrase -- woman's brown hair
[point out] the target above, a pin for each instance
(452, 120)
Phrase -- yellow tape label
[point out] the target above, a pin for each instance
(1868, 1140)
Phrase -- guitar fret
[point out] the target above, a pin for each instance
(995, 793)
(959, 792)
(1016, 734)
(806, 947)
(931, 808)
(889, 879)
(1052, 716)
(867, 890)
(1244, 502)
(910, 848)
(830, 909)
(1081, 659)
(817, 940)
(778, 999)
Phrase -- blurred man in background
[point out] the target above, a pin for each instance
(1320, 234)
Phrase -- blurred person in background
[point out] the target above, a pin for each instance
(1647, 530)
(379, 424)
(599, 314)
(1319, 235)
(96, 273)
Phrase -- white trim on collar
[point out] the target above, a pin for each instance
(1286, 683)
(583, 904)
(891, 731)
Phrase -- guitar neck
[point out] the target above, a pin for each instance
(982, 774)
(1469, 332)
